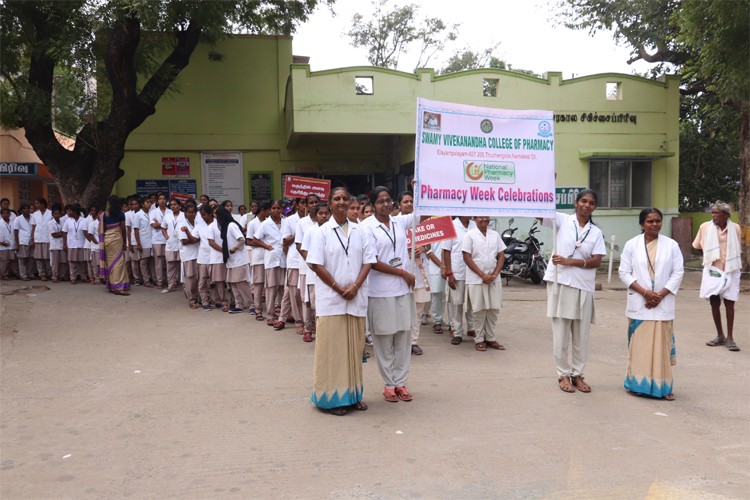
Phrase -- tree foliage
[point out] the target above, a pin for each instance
(97, 68)
(389, 31)
(466, 59)
(708, 42)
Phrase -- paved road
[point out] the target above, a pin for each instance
(155, 400)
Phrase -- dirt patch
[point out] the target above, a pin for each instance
(27, 290)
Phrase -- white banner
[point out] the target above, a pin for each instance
(222, 176)
(484, 161)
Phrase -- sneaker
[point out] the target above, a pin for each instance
(207, 308)
(219, 305)
(424, 318)
(166, 290)
(235, 310)
(368, 340)
(415, 349)
(252, 311)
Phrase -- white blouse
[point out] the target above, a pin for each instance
(484, 250)
(271, 234)
(73, 230)
(389, 243)
(172, 224)
(238, 258)
(188, 251)
(458, 266)
(40, 224)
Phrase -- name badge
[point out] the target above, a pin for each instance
(176, 235)
(395, 262)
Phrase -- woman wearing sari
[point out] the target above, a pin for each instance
(111, 247)
(651, 266)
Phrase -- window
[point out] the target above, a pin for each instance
(363, 85)
(489, 87)
(621, 183)
(614, 91)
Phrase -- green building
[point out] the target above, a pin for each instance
(235, 127)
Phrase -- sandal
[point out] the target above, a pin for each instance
(480, 346)
(225, 308)
(496, 345)
(403, 394)
(194, 306)
(581, 385)
(300, 330)
(565, 385)
(339, 412)
(279, 325)
(124, 294)
(471, 333)
(669, 397)
(456, 340)
(259, 317)
(390, 395)
(437, 328)
(716, 342)
(732, 346)
(307, 337)
(359, 406)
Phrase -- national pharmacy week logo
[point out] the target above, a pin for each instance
(495, 172)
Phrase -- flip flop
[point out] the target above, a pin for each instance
(359, 406)
(716, 342)
(403, 394)
(390, 395)
(339, 412)
(581, 385)
(496, 345)
(456, 340)
(669, 397)
(732, 346)
(565, 385)
(480, 346)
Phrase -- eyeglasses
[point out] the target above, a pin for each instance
(384, 201)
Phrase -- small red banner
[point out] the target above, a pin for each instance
(175, 166)
(299, 187)
(181, 197)
(433, 230)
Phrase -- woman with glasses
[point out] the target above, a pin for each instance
(570, 288)
(391, 309)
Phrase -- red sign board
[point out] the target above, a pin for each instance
(433, 230)
(175, 166)
(299, 187)
(181, 197)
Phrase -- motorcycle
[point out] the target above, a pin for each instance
(523, 259)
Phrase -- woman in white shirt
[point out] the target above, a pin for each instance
(341, 256)
(651, 266)
(158, 241)
(57, 255)
(7, 243)
(570, 288)
(269, 236)
(258, 259)
(308, 306)
(74, 243)
(92, 235)
(170, 228)
(455, 275)
(142, 234)
(236, 259)
(22, 236)
(483, 251)
(204, 256)
(189, 246)
(391, 310)
(40, 238)
(218, 268)
(322, 215)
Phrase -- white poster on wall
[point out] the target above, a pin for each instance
(222, 176)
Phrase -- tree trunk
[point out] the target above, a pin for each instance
(744, 209)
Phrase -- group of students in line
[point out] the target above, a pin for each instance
(342, 272)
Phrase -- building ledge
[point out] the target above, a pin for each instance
(585, 154)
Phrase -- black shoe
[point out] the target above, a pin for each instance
(415, 349)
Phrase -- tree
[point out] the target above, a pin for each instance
(707, 41)
(97, 69)
(466, 59)
(389, 33)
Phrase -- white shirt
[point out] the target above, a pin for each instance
(484, 250)
(239, 257)
(343, 255)
(129, 216)
(172, 224)
(156, 215)
(73, 230)
(591, 243)
(93, 230)
(204, 249)
(458, 266)
(54, 227)
(389, 243)
(258, 253)
(40, 225)
(23, 227)
(270, 234)
(668, 273)
(289, 229)
(6, 235)
(303, 225)
(188, 251)
(216, 257)
(142, 222)
(310, 276)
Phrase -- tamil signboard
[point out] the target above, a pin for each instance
(565, 197)
(17, 168)
(180, 189)
(175, 166)
(484, 161)
(299, 187)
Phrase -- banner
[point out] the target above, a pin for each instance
(433, 230)
(175, 166)
(484, 161)
(299, 187)
(222, 176)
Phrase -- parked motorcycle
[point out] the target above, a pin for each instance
(523, 259)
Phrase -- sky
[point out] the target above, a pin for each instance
(528, 36)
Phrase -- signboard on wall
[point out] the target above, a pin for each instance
(175, 166)
(17, 168)
(261, 187)
(565, 197)
(186, 188)
(222, 176)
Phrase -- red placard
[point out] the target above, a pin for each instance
(299, 187)
(175, 166)
(433, 230)
(181, 197)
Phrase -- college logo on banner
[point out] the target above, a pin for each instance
(483, 161)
